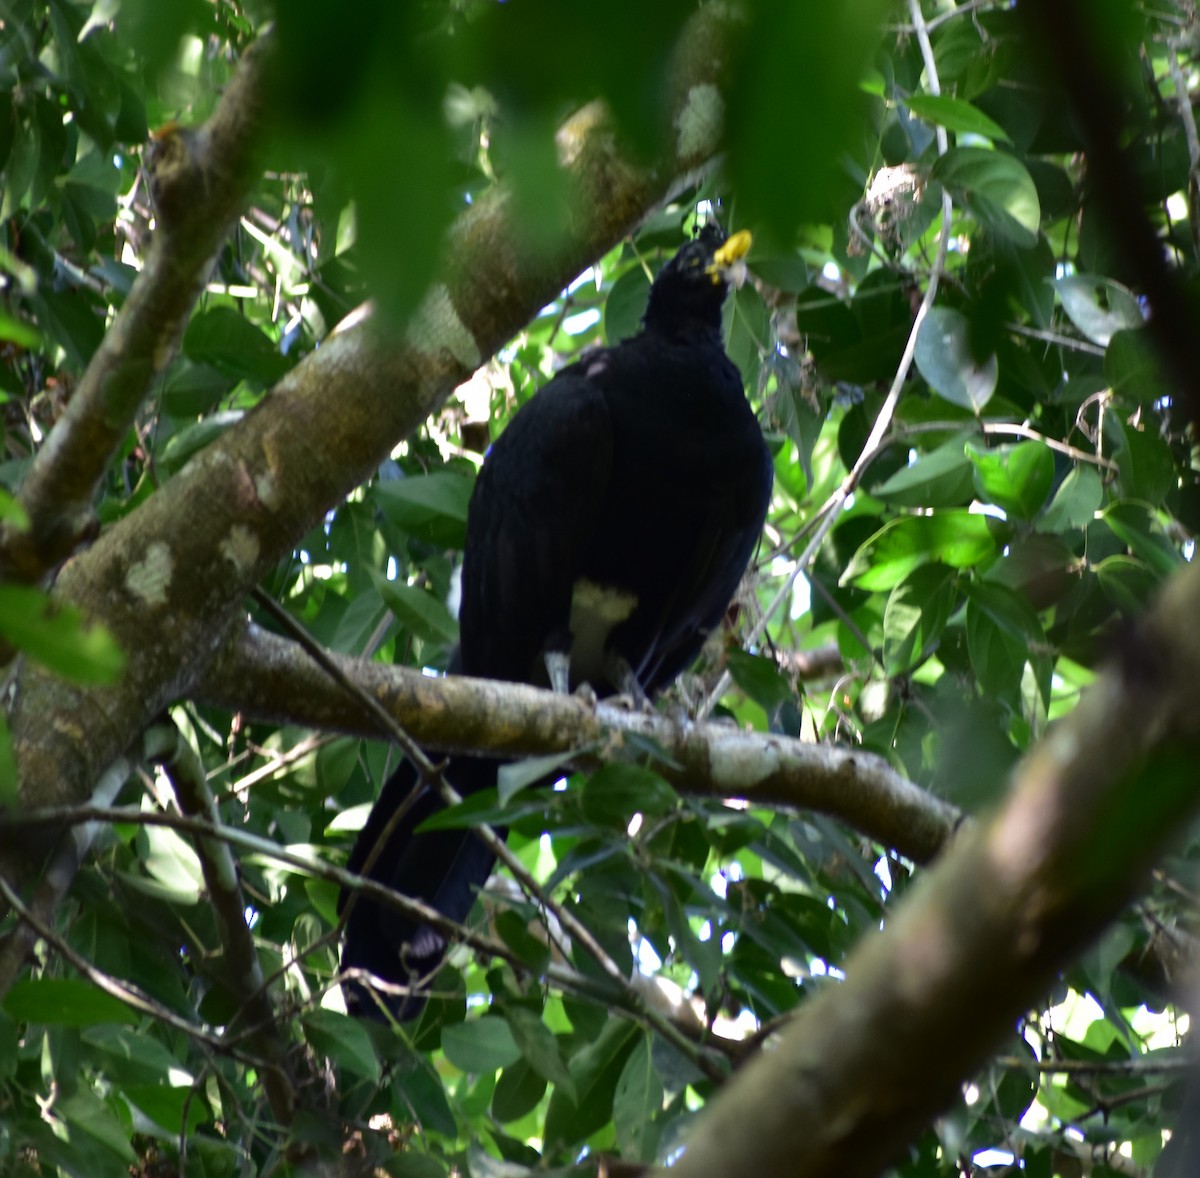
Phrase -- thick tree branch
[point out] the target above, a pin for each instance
(167, 580)
(977, 943)
(275, 679)
(200, 181)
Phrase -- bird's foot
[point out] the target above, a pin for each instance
(587, 693)
(558, 667)
(630, 693)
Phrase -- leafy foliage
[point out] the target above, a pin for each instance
(1033, 487)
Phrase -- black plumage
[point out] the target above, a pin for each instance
(606, 536)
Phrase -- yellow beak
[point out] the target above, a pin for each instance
(727, 261)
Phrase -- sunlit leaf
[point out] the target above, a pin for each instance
(1014, 477)
(996, 187)
(1098, 306)
(959, 539)
(1076, 501)
(955, 114)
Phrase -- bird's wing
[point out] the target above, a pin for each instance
(702, 590)
(537, 500)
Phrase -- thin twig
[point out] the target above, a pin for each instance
(1056, 338)
(959, 10)
(561, 975)
(1012, 428)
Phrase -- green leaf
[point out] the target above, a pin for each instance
(227, 341)
(795, 58)
(417, 610)
(596, 1068)
(1017, 1087)
(411, 1164)
(56, 636)
(9, 794)
(760, 679)
(828, 327)
(1011, 613)
(432, 507)
(476, 808)
(344, 1040)
(516, 934)
(636, 1104)
(960, 539)
(20, 166)
(1003, 632)
(1127, 582)
(997, 188)
(916, 613)
(1014, 477)
(66, 1002)
(11, 508)
(173, 863)
(1098, 306)
(1144, 460)
(625, 305)
(518, 1091)
(1138, 529)
(133, 1057)
(480, 1045)
(540, 1048)
(943, 356)
(189, 390)
(1076, 501)
(177, 1109)
(19, 333)
(619, 790)
(85, 1110)
(942, 478)
(955, 114)
(194, 438)
(519, 775)
(1134, 367)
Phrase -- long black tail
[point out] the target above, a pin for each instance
(443, 868)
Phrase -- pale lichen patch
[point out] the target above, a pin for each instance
(149, 579)
(737, 763)
(240, 548)
(699, 122)
(264, 488)
(436, 326)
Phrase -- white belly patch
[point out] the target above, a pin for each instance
(595, 611)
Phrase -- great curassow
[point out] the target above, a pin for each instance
(606, 536)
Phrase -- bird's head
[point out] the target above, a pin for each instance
(690, 289)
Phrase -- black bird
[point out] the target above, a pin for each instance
(606, 536)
